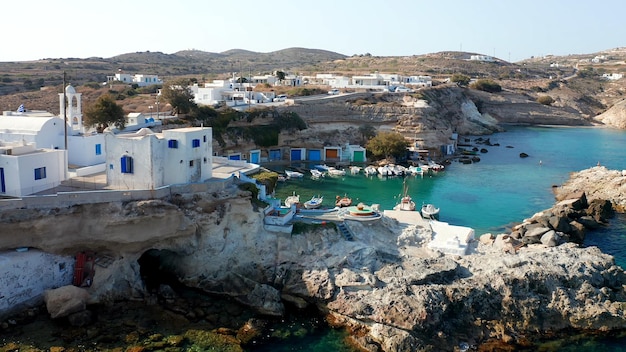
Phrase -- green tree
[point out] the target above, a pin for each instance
(486, 85)
(179, 95)
(460, 79)
(280, 75)
(387, 144)
(104, 113)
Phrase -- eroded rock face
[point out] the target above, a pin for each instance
(387, 286)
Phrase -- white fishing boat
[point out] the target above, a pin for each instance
(292, 199)
(355, 170)
(332, 171)
(293, 174)
(314, 203)
(315, 173)
(429, 211)
(370, 170)
(385, 170)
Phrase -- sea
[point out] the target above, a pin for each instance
(490, 196)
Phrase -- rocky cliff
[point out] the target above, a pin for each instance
(387, 287)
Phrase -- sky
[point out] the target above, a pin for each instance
(511, 30)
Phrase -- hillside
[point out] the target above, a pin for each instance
(574, 82)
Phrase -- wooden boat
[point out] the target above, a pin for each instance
(314, 203)
(430, 212)
(343, 201)
(406, 202)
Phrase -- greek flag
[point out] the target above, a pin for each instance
(21, 108)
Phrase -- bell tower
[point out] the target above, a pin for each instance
(74, 109)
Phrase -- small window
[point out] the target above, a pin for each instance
(204, 137)
(195, 143)
(172, 143)
(127, 164)
(205, 160)
(40, 173)
(190, 163)
(98, 149)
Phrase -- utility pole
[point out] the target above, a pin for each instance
(65, 110)
(249, 86)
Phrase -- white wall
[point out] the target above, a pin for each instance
(147, 161)
(82, 150)
(19, 171)
(178, 168)
(24, 277)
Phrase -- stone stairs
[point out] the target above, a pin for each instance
(345, 231)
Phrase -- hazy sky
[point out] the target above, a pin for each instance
(508, 29)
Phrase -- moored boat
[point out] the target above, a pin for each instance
(292, 199)
(429, 211)
(332, 171)
(344, 201)
(315, 173)
(406, 202)
(314, 203)
(293, 174)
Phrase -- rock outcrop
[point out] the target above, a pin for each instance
(614, 116)
(387, 287)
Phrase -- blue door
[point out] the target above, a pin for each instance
(3, 188)
(255, 158)
(315, 155)
(274, 154)
(296, 154)
(234, 157)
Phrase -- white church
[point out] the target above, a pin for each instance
(37, 148)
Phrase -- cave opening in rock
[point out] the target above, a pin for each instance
(157, 268)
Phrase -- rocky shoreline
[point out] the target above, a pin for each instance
(386, 287)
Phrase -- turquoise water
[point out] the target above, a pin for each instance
(500, 190)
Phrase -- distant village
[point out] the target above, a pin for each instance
(39, 150)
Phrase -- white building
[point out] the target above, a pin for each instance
(38, 127)
(612, 76)
(422, 81)
(483, 58)
(138, 79)
(25, 169)
(148, 160)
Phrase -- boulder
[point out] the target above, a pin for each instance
(601, 210)
(550, 238)
(65, 300)
(559, 223)
(577, 232)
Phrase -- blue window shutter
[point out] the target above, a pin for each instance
(195, 143)
(98, 149)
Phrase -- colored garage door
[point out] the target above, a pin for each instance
(315, 155)
(359, 156)
(332, 154)
(275, 154)
(296, 154)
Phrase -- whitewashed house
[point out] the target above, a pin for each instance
(422, 81)
(372, 80)
(483, 58)
(612, 76)
(25, 169)
(148, 160)
(139, 79)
